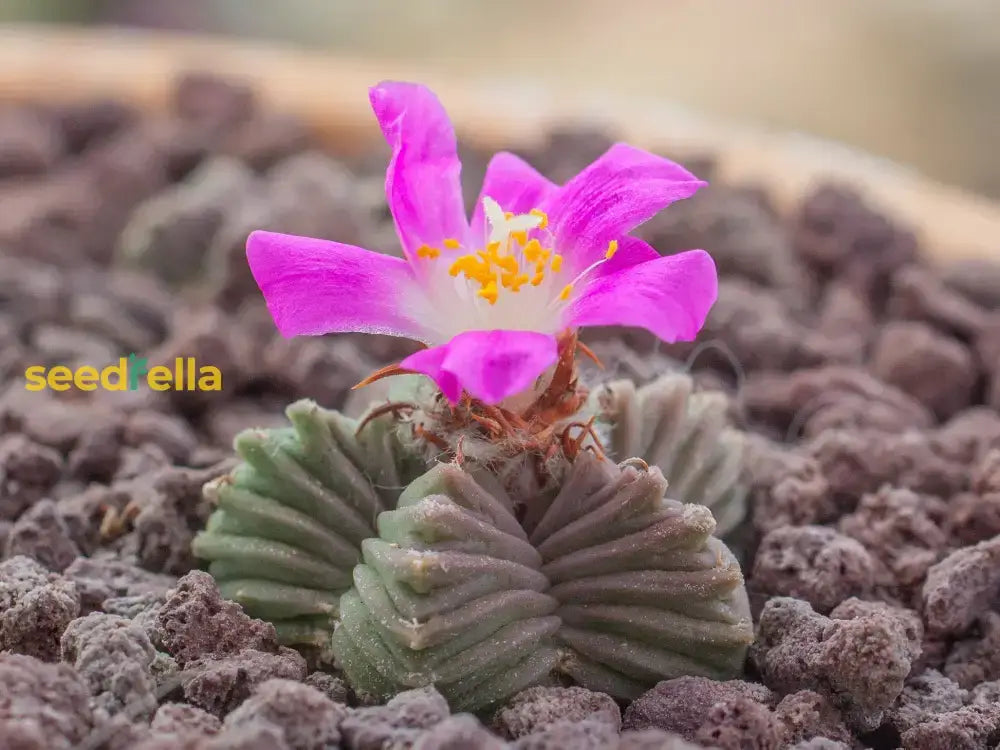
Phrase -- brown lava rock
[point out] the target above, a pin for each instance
(27, 471)
(222, 683)
(306, 718)
(976, 658)
(961, 587)
(195, 622)
(537, 708)
(806, 715)
(181, 720)
(332, 686)
(171, 511)
(860, 664)
(823, 398)
(586, 735)
(907, 620)
(838, 234)
(401, 720)
(987, 346)
(30, 142)
(935, 369)
(903, 531)
(813, 563)
(42, 533)
(786, 487)
(859, 462)
(967, 728)
(681, 704)
(99, 579)
(919, 294)
(35, 608)
(758, 330)
(115, 657)
(925, 696)
(740, 723)
(42, 706)
(974, 516)
(224, 654)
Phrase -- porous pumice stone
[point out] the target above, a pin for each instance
(291, 517)
(686, 434)
(605, 581)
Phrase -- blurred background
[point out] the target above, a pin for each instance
(917, 81)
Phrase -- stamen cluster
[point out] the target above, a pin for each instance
(498, 266)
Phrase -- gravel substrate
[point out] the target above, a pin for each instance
(869, 381)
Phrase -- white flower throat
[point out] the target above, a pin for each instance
(512, 283)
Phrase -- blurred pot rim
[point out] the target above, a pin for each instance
(59, 64)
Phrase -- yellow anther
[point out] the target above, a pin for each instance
(508, 214)
(452, 244)
(489, 292)
(612, 249)
(472, 267)
(557, 261)
(564, 294)
(537, 279)
(426, 251)
(521, 236)
(507, 263)
(541, 215)
(514, 281)
(533, 251)
(493, 248)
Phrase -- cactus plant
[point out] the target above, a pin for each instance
(684, 433)
(501, 564)
(527, 553)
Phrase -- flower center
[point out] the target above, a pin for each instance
(510, 259)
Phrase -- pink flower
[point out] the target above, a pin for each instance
(489, 296)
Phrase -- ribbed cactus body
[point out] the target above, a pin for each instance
(645, 592)
(449, 594)
(606, 582)
(292, 517)
(684, 433)
(409, 543)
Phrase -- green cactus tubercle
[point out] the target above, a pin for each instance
(414, 572)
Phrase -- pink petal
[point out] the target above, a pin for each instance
(514, 184)
(430, 362)
(669, 296)
(490, 365)
(422, 180)
(622, 189)
(316, 286)
(631, 252)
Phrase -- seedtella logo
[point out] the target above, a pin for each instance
(126, 375)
